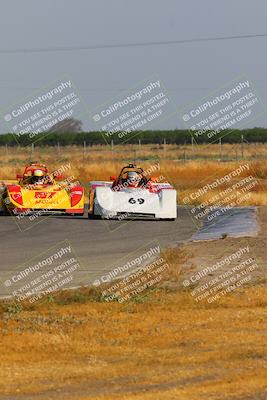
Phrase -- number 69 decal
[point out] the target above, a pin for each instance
(133, 201)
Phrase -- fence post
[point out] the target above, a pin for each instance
(84, 149)
(32, 151)
(220, 144)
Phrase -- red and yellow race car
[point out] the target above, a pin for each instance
(38, 190)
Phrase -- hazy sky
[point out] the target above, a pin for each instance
(190, 71)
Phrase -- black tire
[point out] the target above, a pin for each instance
(93, 215)
(5, 212)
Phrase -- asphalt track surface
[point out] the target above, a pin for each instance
(98, 244)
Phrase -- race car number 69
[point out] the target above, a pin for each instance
(133, 201)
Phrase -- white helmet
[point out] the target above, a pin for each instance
(37, 176)
(133, 176)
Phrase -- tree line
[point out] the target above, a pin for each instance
(176, 136)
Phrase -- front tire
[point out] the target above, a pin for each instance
(5, 212)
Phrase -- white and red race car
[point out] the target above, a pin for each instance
(132, 195)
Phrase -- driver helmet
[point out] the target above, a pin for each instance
(133, 178)
(37, 176)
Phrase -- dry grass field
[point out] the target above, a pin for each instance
(188, 168)
(164, 347)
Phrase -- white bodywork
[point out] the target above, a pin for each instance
(131, 203)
